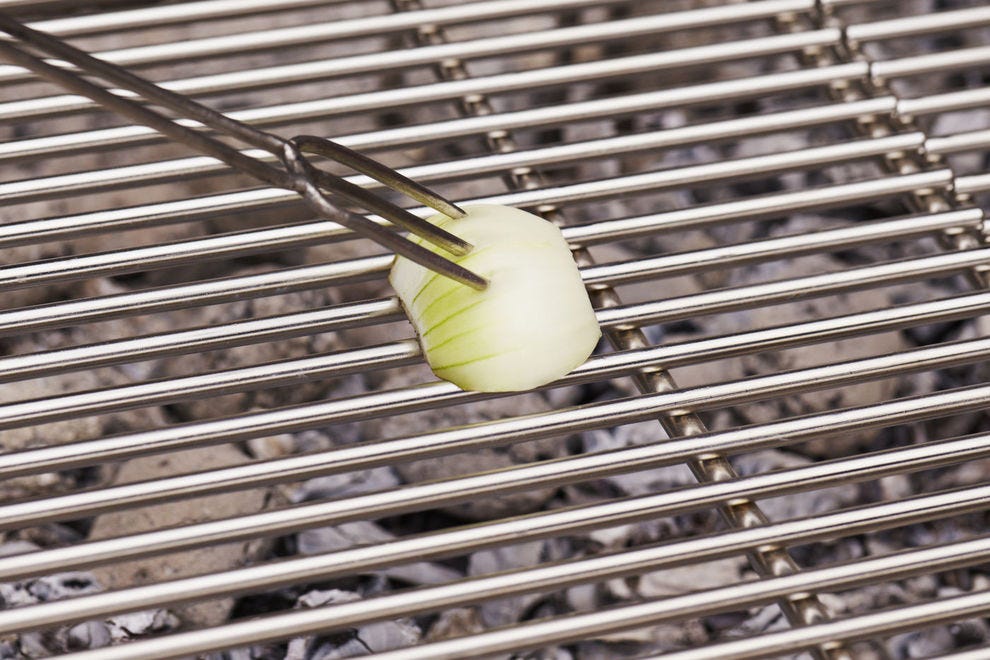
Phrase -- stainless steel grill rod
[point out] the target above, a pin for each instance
(227, 245)
(380, 62)
(47, 459)
(453, 542)
(41, 188)
(157, 54)
(419, 133)
(889, 622)
(963, 58)
(733, 255)
(157, 16)
(943, 145)
(511, 430)
(583, 626)
(557, 154)
(300, 370)
(602, 231)
(208, 292)
(213, 291)
(972, 184)
(925, 24)
(769, 560)
(722, 90)
(563, 574)
(204, 338)
(287, 113)
(281, 114)
(967, 99)
(164, 171)
(349, 315)
(393, 138)
(540, 525)
(725, 300)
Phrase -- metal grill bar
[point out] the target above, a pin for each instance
(579, 626)
(294, 236)
(310, 34)
(561, 153)
(931, 63)
(792, 68)
(925, 24)
(131, 19)
(589, 71)
(234, 288)
(378, 62)
(304, 323)
(736, 211)
(941, 103)
(887, 623)
(461, 540)
(972, 184)
(31, 190)
(542, 525)
(540, 579)
(97, 451)
(512, 430)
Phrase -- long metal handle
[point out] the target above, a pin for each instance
(301, 177)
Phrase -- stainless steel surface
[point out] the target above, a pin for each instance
(657, 143)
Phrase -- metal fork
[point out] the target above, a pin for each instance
(300, 175)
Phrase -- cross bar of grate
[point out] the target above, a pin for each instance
(915, 166)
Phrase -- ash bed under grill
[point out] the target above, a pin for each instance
(220, 439)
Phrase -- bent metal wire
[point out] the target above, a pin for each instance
(305, 179)
(890, 129)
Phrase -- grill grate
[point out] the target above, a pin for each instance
(776, 206)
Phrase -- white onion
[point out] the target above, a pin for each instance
(532, 325)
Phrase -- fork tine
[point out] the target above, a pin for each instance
(308, 178)
(302, 176)
(379, 172)
(394, 214)
(395, 242)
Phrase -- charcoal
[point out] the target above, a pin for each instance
(270, 447)
(200, 363)
(209, 559)
(765, 619)
(456, 622)
(48, 588)
(652, 639)
(772, 362)
(643, 482)
(136, 624)
(505, 611)
(89, 635)
(372, 638)
(55, 433)
(364, 640)
(366, 533)
(683, 579)
(33, 645)
(82, 636)
(16, 547)
(347, 484)
(795, 505)
(932, 641)
(479, 460)
(583, 597)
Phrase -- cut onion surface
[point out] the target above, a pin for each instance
(530, 326)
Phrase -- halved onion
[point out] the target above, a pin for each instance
(532, 325)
